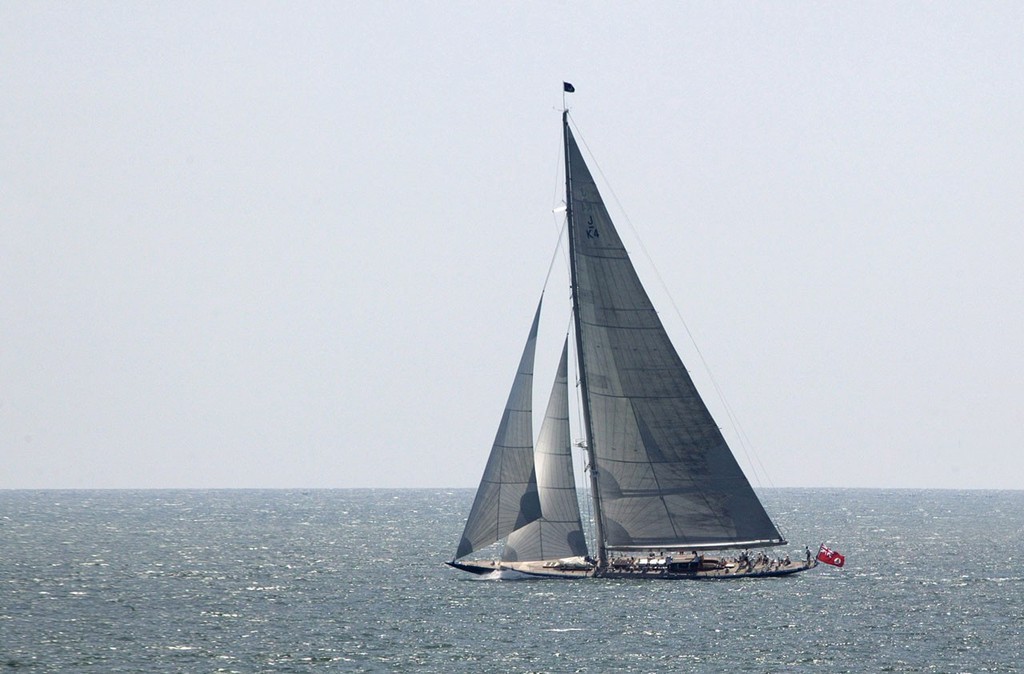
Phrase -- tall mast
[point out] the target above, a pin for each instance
(602, 553)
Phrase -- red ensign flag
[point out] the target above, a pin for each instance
(830, 556)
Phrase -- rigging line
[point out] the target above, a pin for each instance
(554, 256)
(558, 198)
(559, 227)
(700, 354)
(741, 434)
(559, 216)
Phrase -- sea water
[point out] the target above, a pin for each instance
(354, 581)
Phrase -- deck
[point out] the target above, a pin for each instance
(663, 568)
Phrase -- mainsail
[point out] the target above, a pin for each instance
(665, 475)
(559, 531)
(507, 497)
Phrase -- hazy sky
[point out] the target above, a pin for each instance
(300, 244)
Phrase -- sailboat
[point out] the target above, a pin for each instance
(668, 497)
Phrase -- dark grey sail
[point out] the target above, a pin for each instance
(559, 532)
(666, 477)
(507, 497)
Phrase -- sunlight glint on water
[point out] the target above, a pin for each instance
(353, 580)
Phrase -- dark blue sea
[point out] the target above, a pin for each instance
(354, 581)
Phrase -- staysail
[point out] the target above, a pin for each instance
(559, 532)
(507, 497)
(665, 475)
